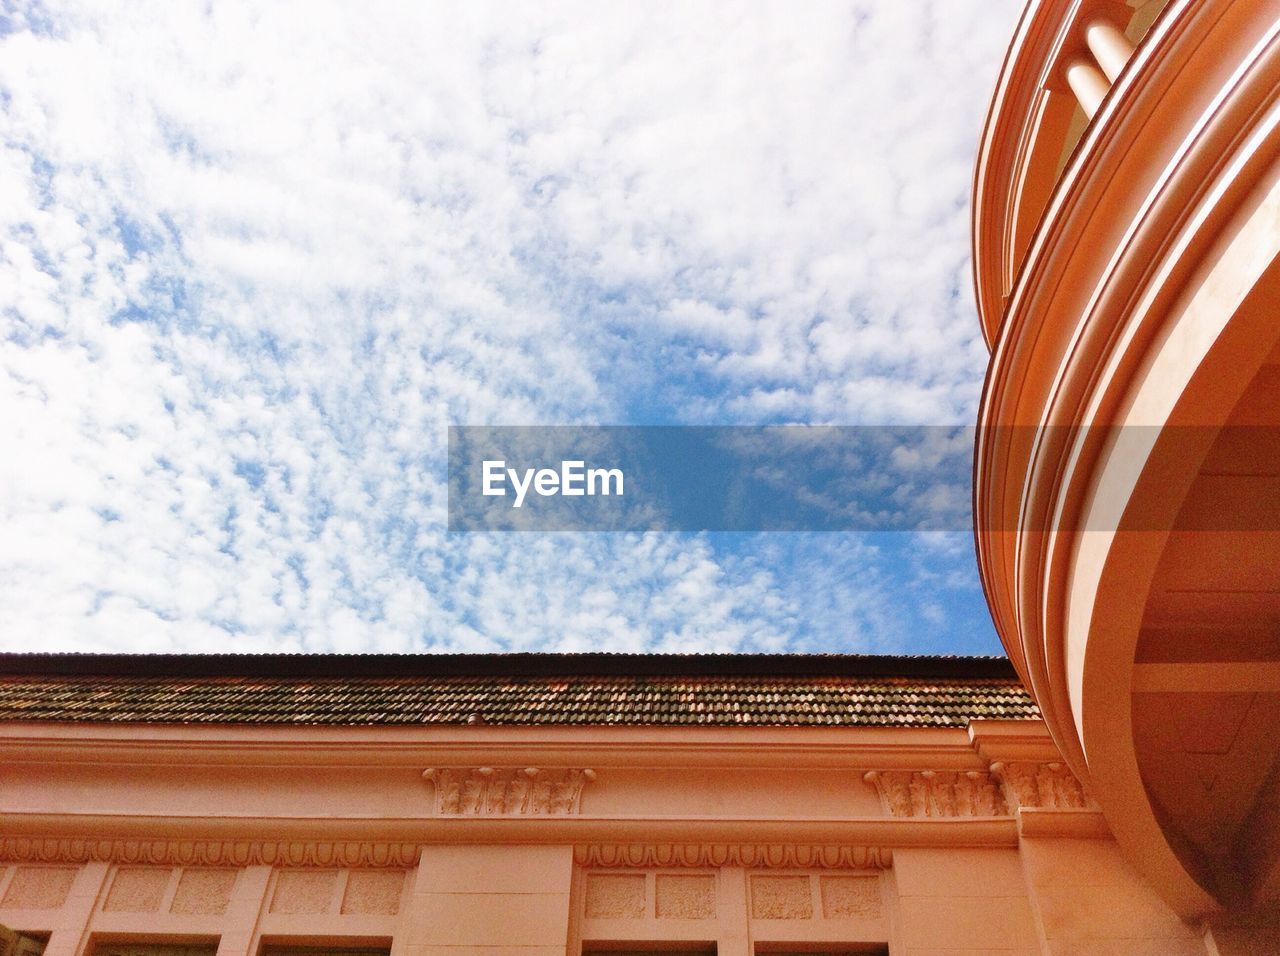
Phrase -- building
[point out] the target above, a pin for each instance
(1126, 232)
(1113, 789)
(179, 806)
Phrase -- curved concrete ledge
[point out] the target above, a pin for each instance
(1169, 197)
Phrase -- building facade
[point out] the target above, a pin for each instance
(544, 806)
(1126, 241)
(1115, 789)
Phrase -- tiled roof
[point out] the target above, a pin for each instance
(748, 697)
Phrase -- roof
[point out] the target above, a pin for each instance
(522, 689)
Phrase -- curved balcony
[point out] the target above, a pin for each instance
(1127, 264)
(1060, 67)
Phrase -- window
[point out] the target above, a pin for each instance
(21, 944)
(154, 949)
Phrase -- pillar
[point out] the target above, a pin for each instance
(1109, 46)
(1088, 84)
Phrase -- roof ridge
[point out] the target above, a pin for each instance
(522, 664)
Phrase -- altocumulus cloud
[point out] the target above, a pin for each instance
(254, 260)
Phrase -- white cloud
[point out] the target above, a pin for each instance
(254, 260)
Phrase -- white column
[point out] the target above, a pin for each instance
(1088, 84)
(1109, 46)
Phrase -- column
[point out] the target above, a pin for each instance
(1109, 47)
(1088, 84)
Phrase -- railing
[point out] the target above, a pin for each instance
(1064, 60)
(1111, 50)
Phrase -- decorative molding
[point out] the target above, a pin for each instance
(507, 791)
(933, 793)
(1049, 786)
(789, 856)
(1024, 740)
(209, 852)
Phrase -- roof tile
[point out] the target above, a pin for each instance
(755, 700)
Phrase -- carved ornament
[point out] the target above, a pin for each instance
(1050, 786)
(507, 791)
(938, 793)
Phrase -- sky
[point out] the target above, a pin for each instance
(254, 261)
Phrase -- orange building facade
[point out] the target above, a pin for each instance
(1113, 790)
(546, 806)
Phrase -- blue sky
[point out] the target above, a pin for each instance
(255, 261)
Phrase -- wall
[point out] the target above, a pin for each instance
(911, 840)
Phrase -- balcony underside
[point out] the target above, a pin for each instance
(1170, 626)
(1206, 702)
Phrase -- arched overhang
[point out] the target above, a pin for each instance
(1144, 280)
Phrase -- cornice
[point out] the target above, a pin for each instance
(1005, 788)
(417, 748)
(1041, 823)
(1009, 740)
(947, 803)
(1042, 786)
